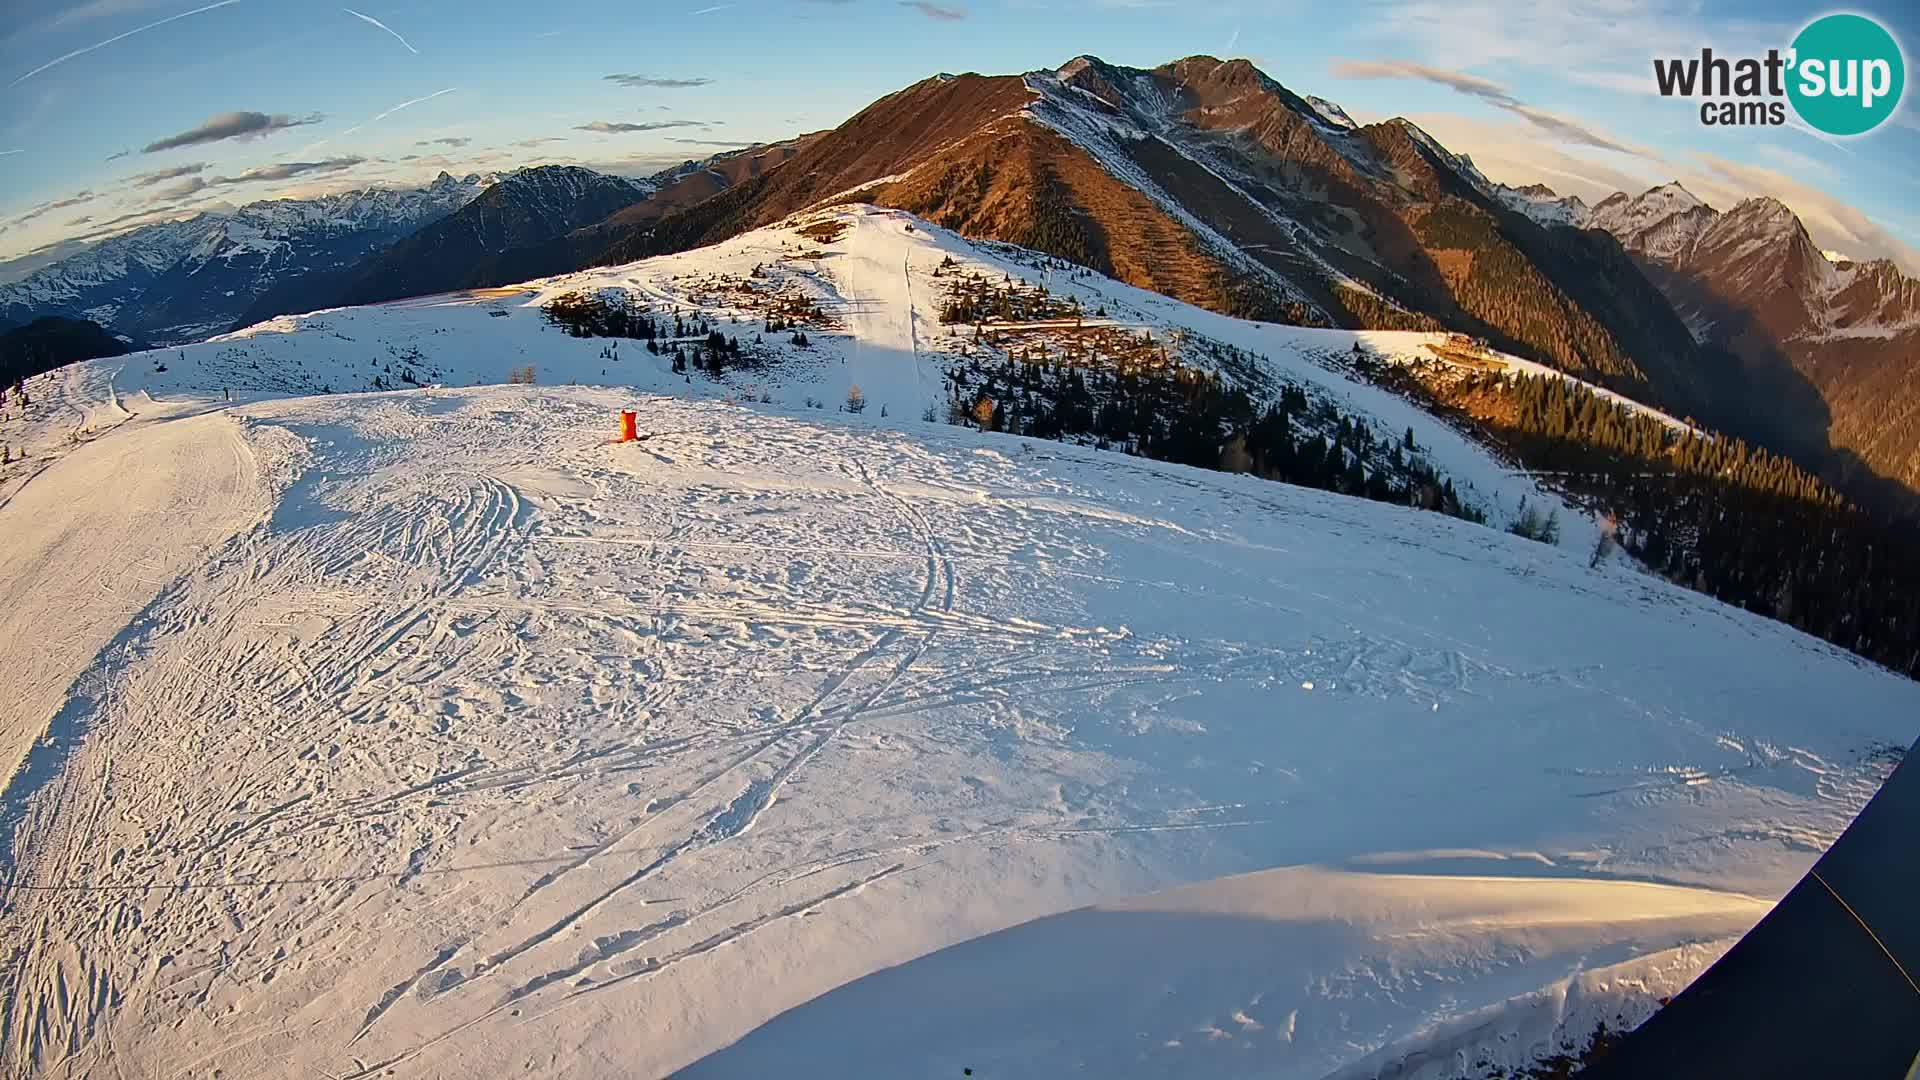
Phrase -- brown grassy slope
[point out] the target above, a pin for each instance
(703, 184)
(887, 138)
(1024, 184)
(969, 161)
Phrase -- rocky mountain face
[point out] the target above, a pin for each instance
(179, 281)
(1210, 182)
(1542, 204)
(693, 182)
(1827, 347)
(527, 206)
(671, 191)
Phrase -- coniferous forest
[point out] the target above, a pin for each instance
(1037, 364)
(1710, 512)
(1707, 511)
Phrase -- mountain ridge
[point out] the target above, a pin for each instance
(1827, 346)
(1211, 182)
(177, 281)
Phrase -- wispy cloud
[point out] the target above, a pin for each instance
(1801, 164)
(710, 142)
(1834, 224)
(1565, 128)
(125, 222)
(1622, 82)
(934, 11)
(231, 125)
(371, 21)
(100, 9)
(465, 163)
(1514, 153)
(10, 153)
(290, 169)
(711, 10)
(1461, 81)
(176, 191)
(606, 127)
(657, 81)
(161, 176)
(450, 140)
(58, 60)
(1608, 35)
(187, 184)
(1571, 130)
(45, 208)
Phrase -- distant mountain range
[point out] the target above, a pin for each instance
(444, 253)
(180, 281)
(1826, 345)
(1202, 179)
(1210, 182)
(542, 221)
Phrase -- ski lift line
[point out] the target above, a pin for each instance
(1895, 961)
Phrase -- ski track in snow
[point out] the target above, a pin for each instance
(428, 732)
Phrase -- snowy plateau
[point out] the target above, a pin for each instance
(428, 732)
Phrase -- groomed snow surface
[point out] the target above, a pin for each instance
(428, 733)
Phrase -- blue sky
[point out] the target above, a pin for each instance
(202, 103)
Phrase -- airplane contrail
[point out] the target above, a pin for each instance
(10, 153)
(58, 60)
(711, 10)
(376, 119)
(376, 22)
(402, 105)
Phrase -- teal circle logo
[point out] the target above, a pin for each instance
(1847, 74)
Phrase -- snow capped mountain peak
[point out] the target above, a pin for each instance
(557, 186)
(1461, 165)
(1763, 212)
(1673, 193)
(152, 282)
(1120, 88)
(1544, 205)
(1075, 66)
(1662, 222)
(1333, 114)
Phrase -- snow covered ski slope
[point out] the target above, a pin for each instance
(429, 733)
(495, 747)
(881, 284)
